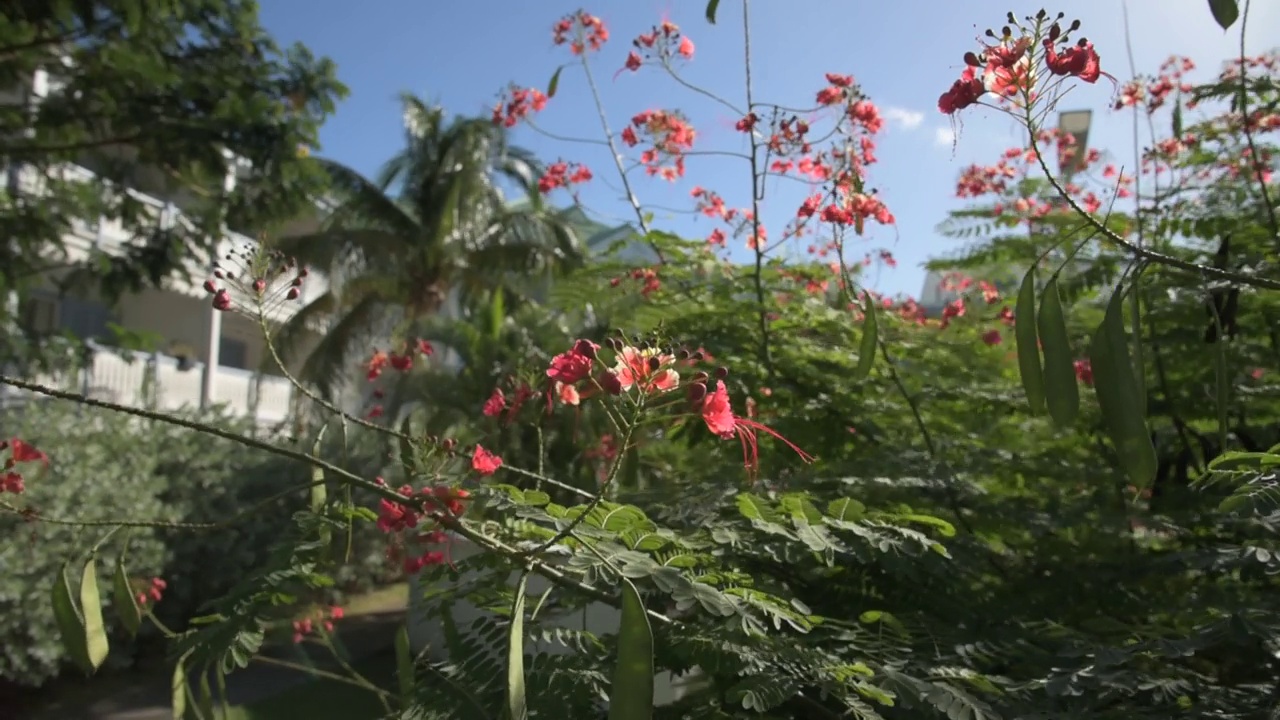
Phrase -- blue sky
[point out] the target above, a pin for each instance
(903, 54)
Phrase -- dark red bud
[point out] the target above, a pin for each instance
(971, 60)
(654, 363)
(297, 282)
(722, 373)
(701, 377)
(292, 294)
(586, 348)
(259, 286)
(697, 391)
(611, 383)
(210, 287)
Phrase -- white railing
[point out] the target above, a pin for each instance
(168, 384)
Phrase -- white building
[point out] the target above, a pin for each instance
(202, 357)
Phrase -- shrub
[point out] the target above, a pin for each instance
(107, 466)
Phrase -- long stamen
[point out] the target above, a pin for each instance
(806, 457)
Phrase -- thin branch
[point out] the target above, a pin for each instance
(1153, 256)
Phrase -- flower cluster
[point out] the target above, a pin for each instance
(11, 481)
(562, 174)
(400, 361)
(580, 30)
(669, 135)
(1003, 179)
(648, 371)
(507, 408)
(416, 519)
(153, 593)
(647, 278)
(662, 43)
(324, 618)
(517, 104)
(1011, 68)
(259, 276)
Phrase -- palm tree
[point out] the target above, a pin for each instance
(434, 227)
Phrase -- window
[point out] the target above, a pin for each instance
(233, 353)
(39, 313)
(86, 319)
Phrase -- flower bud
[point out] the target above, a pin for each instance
(696, 392)
(722, 372)
(210, 287)
(259, 286)
(586, 348)
(610, 383)
(654, 363)
(700, 377)
(292, 294)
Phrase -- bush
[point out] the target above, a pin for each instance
(104, 466)
(101, 468)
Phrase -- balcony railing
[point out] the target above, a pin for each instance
(168, 384)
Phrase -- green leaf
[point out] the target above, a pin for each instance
(1024, 331)
(319, 491)
(498, 305)
(631, 695)
(870, 338)
(71, 623)
(206, 696)
(846, 509)
(319, 488)
(1061, 388)
(517, 706)
(1225, 12)
(95, 630)
(712, 6)
(178, 689)
(123, 600)
(404, 666)
(1118, 399)
(554, 85)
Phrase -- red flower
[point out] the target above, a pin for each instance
(963, 93)
(496, 403)
(485, 462)
(992, 337)
(1081, 61)
(1084, 372)
(569, 367)
(20, 451)
(686, 47)
(718, 414)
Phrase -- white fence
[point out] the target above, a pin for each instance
(136, 379)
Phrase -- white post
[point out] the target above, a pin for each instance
(208, 388)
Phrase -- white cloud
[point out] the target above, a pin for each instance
(908, 119)
(944, 136)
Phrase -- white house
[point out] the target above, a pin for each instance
(202, 357)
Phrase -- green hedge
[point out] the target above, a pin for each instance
(105, 466)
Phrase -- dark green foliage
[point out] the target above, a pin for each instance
(150, 96)
(104, 468)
